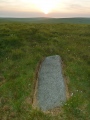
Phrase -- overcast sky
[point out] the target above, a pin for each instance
(42, 8)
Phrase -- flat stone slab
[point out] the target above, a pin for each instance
(51, 92)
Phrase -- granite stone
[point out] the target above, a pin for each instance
(51, 91)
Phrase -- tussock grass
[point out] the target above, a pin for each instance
(22, 46)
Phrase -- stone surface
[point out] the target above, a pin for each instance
(51, 91)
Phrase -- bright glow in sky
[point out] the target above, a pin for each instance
(38, 8)
(46, 6)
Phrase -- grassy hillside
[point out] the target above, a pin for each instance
(22, 46)
(48, 20)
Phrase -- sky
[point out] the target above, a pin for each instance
(45, 8)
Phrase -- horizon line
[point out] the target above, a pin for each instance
(45, 17)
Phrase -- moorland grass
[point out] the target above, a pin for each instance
(22, 46)
(77, 20)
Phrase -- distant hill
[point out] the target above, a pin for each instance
(48, 20)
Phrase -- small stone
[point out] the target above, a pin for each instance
(72, 94)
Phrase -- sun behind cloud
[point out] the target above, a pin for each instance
(45, 6)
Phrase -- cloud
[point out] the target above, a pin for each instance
(37, 14)
(16, 5)
(75, 6)
(20, 14)
(78, 8)
(83, 3)
(9, 1)
(66, 7)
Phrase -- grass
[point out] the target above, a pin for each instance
(22, 46)
(48, 20)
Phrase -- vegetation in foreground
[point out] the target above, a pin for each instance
(22, 46)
